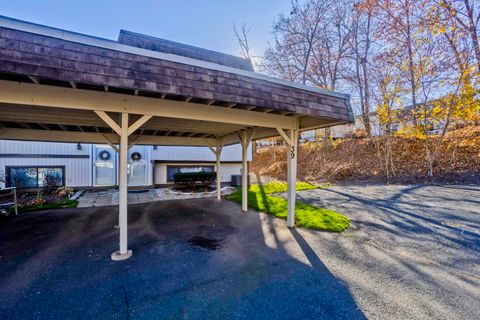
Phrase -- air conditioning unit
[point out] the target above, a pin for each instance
(237, 180)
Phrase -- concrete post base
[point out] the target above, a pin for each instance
(117, 256)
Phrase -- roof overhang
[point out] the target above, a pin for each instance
(53, 81)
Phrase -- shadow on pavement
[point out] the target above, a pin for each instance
(56, 264)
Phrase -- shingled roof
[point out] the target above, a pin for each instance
(31, 53)
(166, 46)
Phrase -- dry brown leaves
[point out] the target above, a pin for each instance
(361, 158)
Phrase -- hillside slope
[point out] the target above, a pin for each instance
(362, 160)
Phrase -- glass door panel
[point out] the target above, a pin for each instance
(104, 166)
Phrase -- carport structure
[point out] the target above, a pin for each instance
(62, 86)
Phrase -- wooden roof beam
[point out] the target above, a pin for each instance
(43, 126)
(94, 137)
(34, 79)
(25, 125)
(50, 96)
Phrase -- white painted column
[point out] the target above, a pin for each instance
(123, 131)
(292, 176)
(244, 142)
(123, 253)
(218, 152)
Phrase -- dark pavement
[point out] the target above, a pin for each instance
(412, 252)
(56, 265)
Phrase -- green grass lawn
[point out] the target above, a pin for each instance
(307, 216)
(56, 205)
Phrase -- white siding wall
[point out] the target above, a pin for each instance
(227, 170)
(172, 153)
(31, 147)
(77, 170)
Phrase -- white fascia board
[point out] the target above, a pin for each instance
(25, 26)
(95, 138)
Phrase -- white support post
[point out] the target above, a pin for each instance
(123, 253)
(219, 169)
(217, 151)
(123, 130)
(15, 200)
(292, 176)
(244, 142)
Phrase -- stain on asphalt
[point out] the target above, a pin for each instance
(205, 243)
(66, 272)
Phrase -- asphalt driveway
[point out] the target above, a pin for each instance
(412, 252)
(193, 259)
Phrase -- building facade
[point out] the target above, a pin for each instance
(82, 165)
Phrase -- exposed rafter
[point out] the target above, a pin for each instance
(94, 137)
(50, 96)
(34, 79)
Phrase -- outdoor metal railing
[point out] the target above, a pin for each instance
(9, 192)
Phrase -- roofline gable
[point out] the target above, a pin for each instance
(14, 24)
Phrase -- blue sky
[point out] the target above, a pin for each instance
(203, 23)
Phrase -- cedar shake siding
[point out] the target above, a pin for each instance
(58, 62)
(166, 46)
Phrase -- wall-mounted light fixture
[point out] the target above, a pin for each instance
(79, 146)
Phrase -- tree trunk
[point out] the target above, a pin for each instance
(472, 28)
(328, 133)
(411, 67)
(366, 97)
(430, 169)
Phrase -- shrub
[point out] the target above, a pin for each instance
(65, 192)
(41, 204)
(194, 177)
(32, 202)
(20, 181)
(359, 134)
(50, 183)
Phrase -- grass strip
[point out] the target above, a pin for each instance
(307, 216)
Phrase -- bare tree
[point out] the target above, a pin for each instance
(387, 93)
(296, 37)
(361, 30)
(398, 24)
(330, 51)
(242, 39)
(453, 55)
(311, 44)
(391, 53)
(466, 15)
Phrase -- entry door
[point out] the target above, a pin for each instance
(104, 168)
(137, 166)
